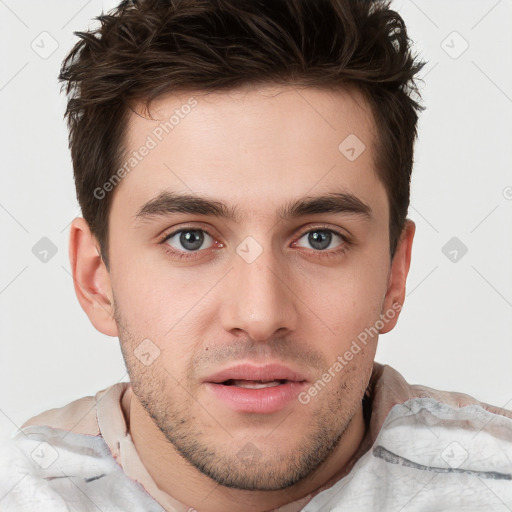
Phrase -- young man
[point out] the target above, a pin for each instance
(243, 171)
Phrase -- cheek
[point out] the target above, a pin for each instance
(351, 300)
(157, 304)
(154, 296)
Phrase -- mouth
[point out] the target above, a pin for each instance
(254, 384)
(256, 389)
(246, 375)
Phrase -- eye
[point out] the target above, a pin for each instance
(321, 239)
(188, 240)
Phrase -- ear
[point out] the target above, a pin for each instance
(395, 294)
(91, 278)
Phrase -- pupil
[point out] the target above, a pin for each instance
(320, 239)
(192, 240)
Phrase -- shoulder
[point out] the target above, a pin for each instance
(391, 389)
(79, 416)
(48, 469)
(428, 448)
(60, 461)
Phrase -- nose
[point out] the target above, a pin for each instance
(259, 299)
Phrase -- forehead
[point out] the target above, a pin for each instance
(249, 143)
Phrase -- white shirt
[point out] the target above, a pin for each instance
(424, 450)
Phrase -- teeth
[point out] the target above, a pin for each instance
(254, 384)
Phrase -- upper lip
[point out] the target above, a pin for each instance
(268, 372)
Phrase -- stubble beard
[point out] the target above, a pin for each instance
(254, 467)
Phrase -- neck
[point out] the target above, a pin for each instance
(178, 478)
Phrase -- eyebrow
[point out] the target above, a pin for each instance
(168, 203)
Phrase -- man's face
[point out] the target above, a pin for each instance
(269, 293)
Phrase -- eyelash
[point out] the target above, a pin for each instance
(191, 254)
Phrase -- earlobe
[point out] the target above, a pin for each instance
(395, 294)
(91, 278)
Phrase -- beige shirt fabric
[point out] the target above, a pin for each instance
(104, 415)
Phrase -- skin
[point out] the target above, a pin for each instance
(256, 149)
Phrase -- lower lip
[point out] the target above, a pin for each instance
(262, 400)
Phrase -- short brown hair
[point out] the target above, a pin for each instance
(146, 48)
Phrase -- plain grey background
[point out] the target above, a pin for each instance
(455, 328)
